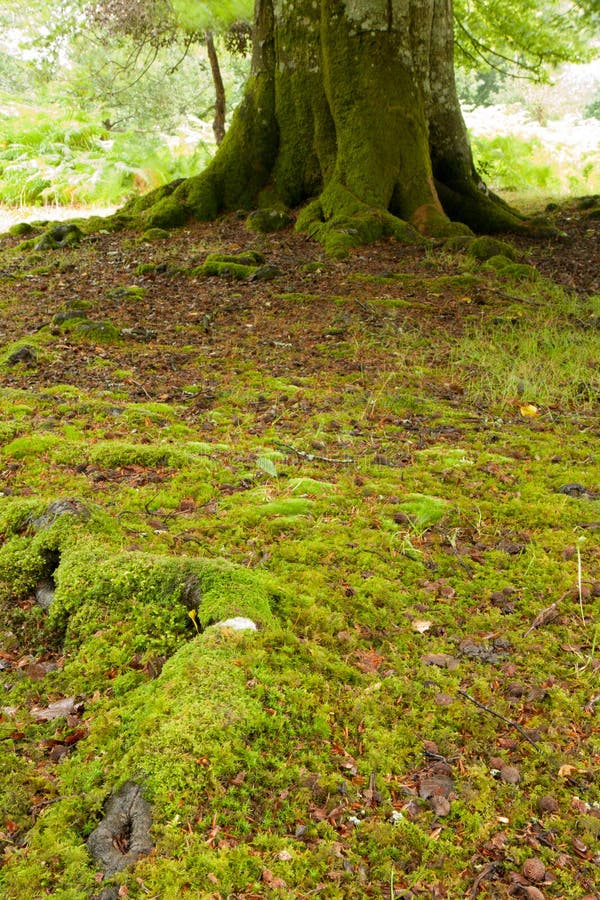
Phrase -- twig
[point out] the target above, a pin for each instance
(310, 457)
(579, 585)
(502, 718)
(589, 707)
(486, 872)
(547, 614)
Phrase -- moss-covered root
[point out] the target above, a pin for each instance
(486, 213)
(340, 221)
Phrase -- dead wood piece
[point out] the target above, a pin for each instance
(123, 836)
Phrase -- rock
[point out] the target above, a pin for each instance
(123, 836)
(534, 869)
(60, 317)
(44, 593)
(547, 805)
(237, 623)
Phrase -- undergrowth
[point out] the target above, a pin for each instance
(395, 476)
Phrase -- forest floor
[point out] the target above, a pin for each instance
(390, 464)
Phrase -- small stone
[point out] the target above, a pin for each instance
(547, 805)
(440, 805)
(510, 775)
(534, 869)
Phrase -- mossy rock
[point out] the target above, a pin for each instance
(267, 220)
(483, 248)
(247, 258)
(58, 236)
(69, 315)
(154, 234)
(240, 265)
(21, 229)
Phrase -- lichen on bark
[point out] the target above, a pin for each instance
(351, 108)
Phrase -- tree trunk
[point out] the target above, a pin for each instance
(352, 106)
(220, 102)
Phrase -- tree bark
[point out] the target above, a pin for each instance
(220, 100)
(352, 106)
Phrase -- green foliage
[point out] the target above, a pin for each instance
(217, 14)
(47, 157)
(523, 37)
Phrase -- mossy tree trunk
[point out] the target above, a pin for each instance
(351, 108)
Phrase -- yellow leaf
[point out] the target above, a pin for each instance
(528, 409)
(566, 770)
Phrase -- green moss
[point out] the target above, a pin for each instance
(148, 268)
(423, 511)
(58, 236)
(498, 262)
(30, 445)
(100, 332)
(225, 269)
(24, 246)
(21, 228)
(154, 234)
(167, 213)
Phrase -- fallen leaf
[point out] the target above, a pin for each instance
(529, 410)
(442, 660)
(68, 706)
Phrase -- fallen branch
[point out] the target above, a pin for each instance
(311, 457)
(502, 718)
